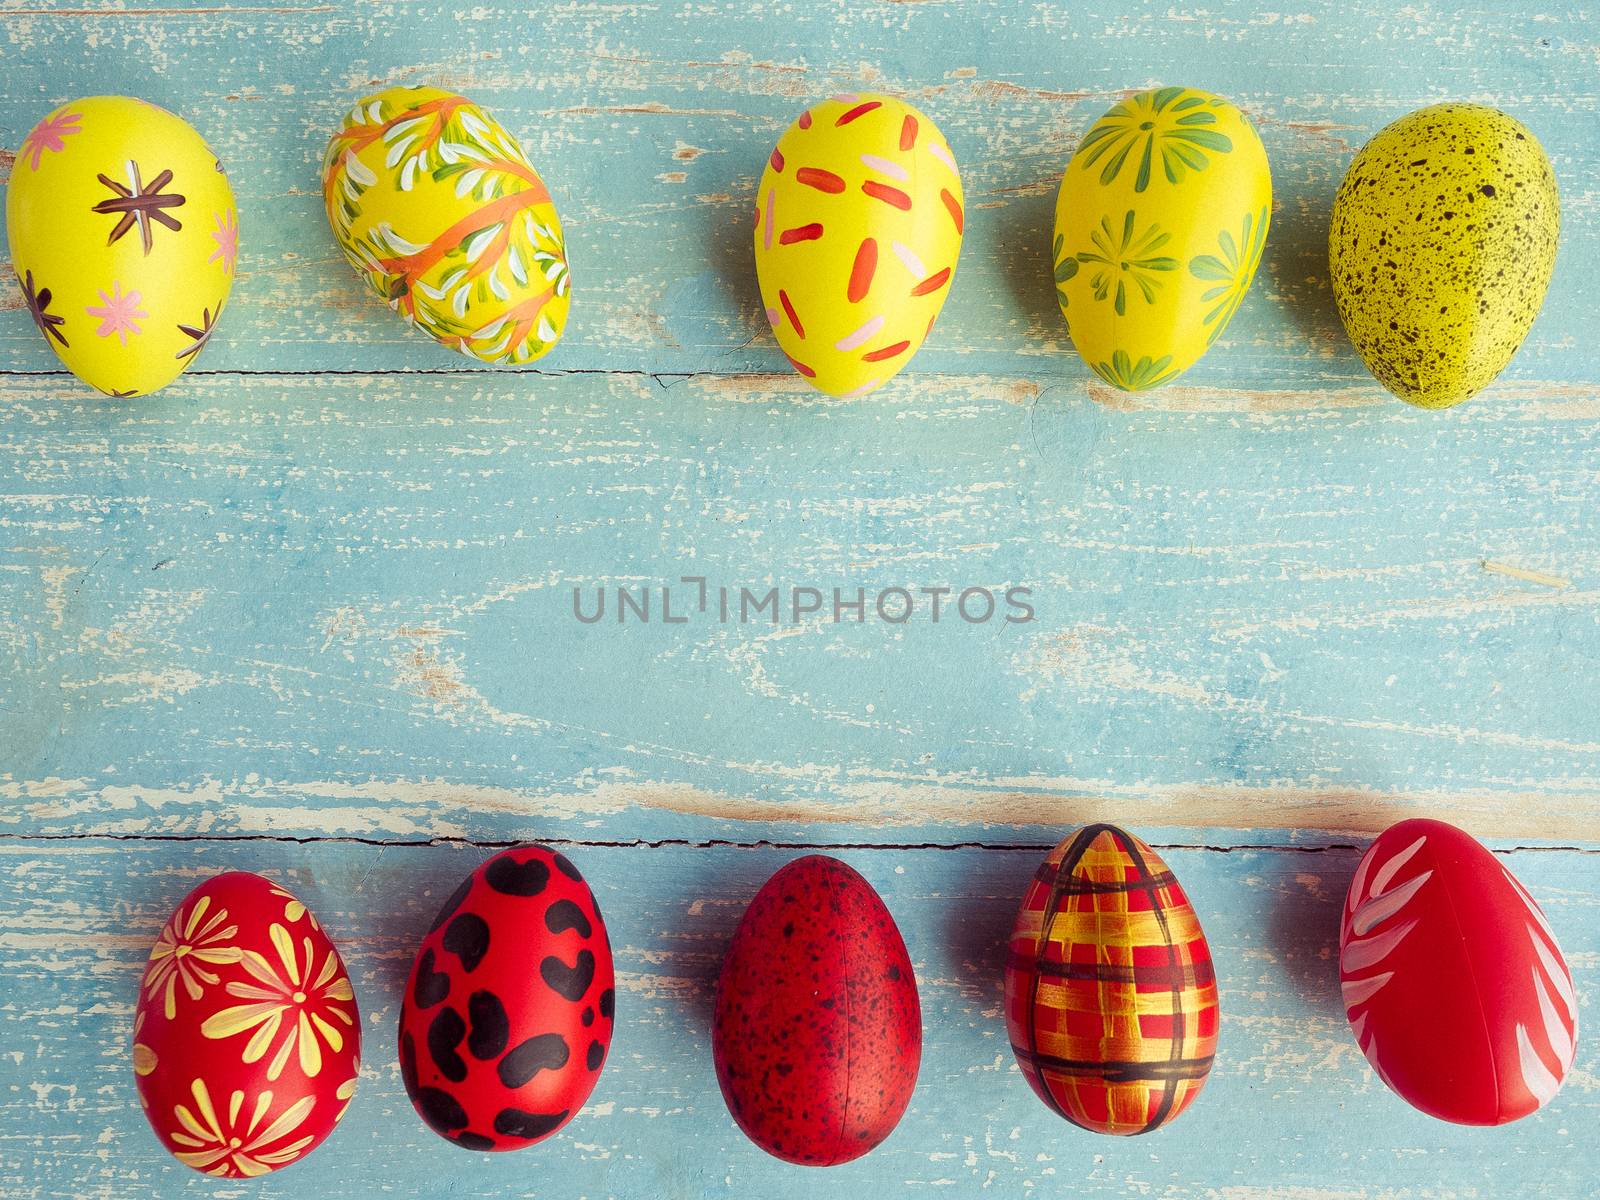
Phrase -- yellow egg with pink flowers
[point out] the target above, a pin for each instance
(125, 238)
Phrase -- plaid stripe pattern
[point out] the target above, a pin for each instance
(1111, 999)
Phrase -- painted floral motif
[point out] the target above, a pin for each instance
(479, 260)
(1171, 123)
(1066, 267)
(38, 301)
(293, 910)
(226, 236)
(119, 313)
(1124, 256)
(240, 1143)
(1122, 372)
(189, 944)
(199, 334)
(1230, 271)
(49, 136)
(137, 203)
(144, 1058)
(294, 996)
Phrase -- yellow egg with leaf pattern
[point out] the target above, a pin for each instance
(437, 207)
(858, 227)
(124, 235)
(1160, 224)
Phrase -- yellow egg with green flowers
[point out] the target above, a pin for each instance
(1441, 248)
(1160, 225)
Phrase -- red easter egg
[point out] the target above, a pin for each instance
(1453, 982)
(1111, 999)
(507, 1016)
(246, 1039)
(818, 1030)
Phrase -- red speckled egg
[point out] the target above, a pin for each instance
(507, 1015)
(246, 1039)
(1452, 979)
(1111, 999)
(818, 1029)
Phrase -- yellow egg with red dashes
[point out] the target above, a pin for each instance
(858, 228)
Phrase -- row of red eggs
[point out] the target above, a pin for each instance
(124, 234)
(246, 1039)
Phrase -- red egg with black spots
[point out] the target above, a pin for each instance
(507, 1015)
(818, 1028)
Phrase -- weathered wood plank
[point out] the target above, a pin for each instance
(343, 605)
(652, 122)
(1291, 1109)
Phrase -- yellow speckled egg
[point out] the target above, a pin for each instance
(1441, 247)
(858, 227)
(437, 207)
(1160, 223)
(124, 235)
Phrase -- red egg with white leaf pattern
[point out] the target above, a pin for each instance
(1453, 981)
(246, 1039)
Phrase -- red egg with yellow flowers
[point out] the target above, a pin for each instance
(1110, 994)
(246, 1039)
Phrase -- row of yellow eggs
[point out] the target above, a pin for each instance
(124, 235)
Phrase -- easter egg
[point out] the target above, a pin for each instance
(437, 207)
(1160, 223)
(1453, 982)
(246, 1038)
(507, 1015)
(858, 227)
(817, 1034)
(124, 236)
(1440, 249)
(1110, 995)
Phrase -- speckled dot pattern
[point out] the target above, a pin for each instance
(1441, 247)
(818, 1029)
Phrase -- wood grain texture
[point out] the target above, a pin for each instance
(309, 611)
(1291, 1109)
(298, 605)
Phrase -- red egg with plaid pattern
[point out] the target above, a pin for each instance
(1111, 999)
(1453, 981)
(507, 1016)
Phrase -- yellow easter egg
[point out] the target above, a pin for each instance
(124, 236)
(1440, 248)
(858, 228)
(1160, 224)
(437, 207)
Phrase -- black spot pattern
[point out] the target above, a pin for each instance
(547, 1051)
(564, 915)
(1440, 249)
(468, 939)
(514, 1122)
(570, 982)
(450, 905)
(512, 878)
(490, 1028)
(441, 1110)
(597, 1055)
(608, 1003)
(565, 867)
(408, 1063)
(444, 1034)
(474, 1141)
(432, 987)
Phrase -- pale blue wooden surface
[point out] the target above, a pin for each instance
(318, 593)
